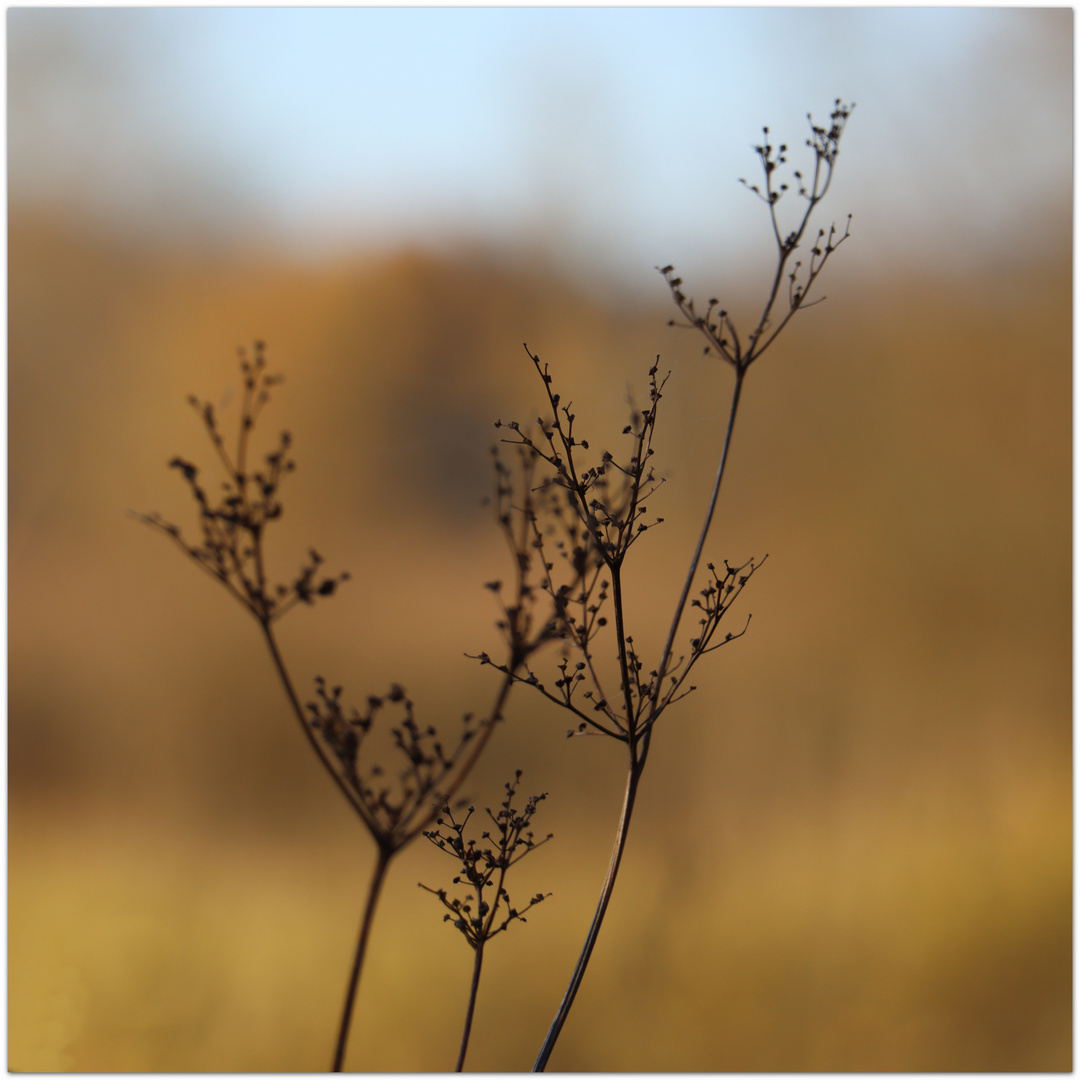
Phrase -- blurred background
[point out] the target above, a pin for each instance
(852, 849)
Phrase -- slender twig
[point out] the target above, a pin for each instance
(231, 550)
(392, 846)
(632, 780)
(309, 733)
(723, 338)
(382, 864)
(695, 559)
(483, 871)
(639, 743)
(474, 986)
(443, 795)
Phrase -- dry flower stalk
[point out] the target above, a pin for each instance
(570, 518)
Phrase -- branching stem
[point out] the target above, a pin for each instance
(715, 328)
(639, 742)
(309, 733)
(389, 846)
(680, 607)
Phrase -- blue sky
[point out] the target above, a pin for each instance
(613, 137)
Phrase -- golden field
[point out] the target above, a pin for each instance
(853, 848)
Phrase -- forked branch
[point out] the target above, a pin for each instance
(646, 698)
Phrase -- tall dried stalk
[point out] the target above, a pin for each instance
(598, 511)
(570, 526)
(394, 809)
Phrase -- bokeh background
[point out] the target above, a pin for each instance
(852, 849)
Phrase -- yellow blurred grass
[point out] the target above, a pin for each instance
(845, 949)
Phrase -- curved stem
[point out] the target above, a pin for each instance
(381, 866)
(472, 1005)
(594, 929)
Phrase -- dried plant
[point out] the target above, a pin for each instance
(590, 513)
(486, 909)
(570, 517)
(396, 807)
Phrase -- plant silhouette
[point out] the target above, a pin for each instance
(483, 871)
(395, 807)
(571, 518)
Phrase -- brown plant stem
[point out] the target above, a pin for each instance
(639, 745)
(382, 864)
(309, 734)
(390, 846)
(463, 770)
(633, 777)
(474, 987)
(680, 607)
(231, 551)
(387, 851)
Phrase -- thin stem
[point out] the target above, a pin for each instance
(443, 796)
(633, 777)
(620, 631)
(680, 607)
(390, 845)
(381, 866)
(472, 1005)
(639, 748)
(173, 533)
(294, 701)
